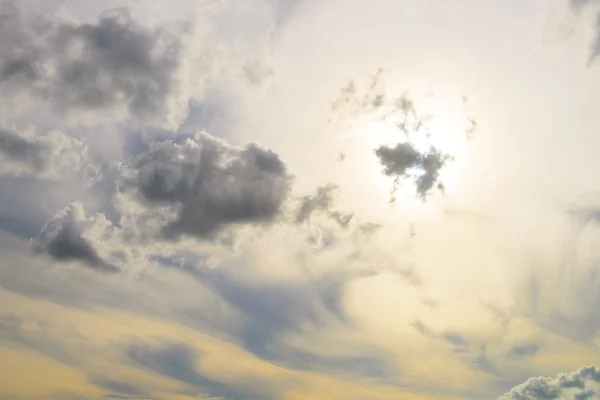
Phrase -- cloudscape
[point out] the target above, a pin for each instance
(299, 199)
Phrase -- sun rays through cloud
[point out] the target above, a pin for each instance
(299, 200)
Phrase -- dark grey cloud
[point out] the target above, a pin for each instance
(581, 384)
(210, 184)
(398, 160)
(62, 240)
(405, 162)
(114, 66)
(178, 361)
(323, 201)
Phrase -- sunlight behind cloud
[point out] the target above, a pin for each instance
(299, 199)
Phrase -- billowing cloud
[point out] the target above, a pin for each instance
(582, 384)
(208, 185)
(52, 156)
(62, 238)
(113, 68)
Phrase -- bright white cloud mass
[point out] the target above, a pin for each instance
(299, 199)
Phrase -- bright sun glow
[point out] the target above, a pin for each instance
(439, 122)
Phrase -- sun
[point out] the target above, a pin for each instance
(429, 124)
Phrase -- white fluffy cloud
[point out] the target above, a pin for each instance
(583, 384)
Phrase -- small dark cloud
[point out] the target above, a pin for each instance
(405, 162)
(581, 384)
(209, 184)
(396, 161)
(62, 240)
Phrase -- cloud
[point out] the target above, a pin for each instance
(412, 158)
(62, 239)
(273, 312)
(285, 9)
(350, 103)
(179, 361)
(524, 350)
(36, 334)
(113, 68)
(15, 148)
(322, 202)
(53, 156)
(398, 160)
(560, 293)
(595, 46)
(405, 162)
(581, 385)
(122, 388)
(208, 185)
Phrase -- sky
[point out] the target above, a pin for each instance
(299, 199)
